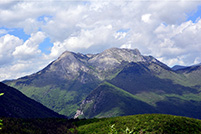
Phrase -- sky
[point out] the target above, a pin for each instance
(33, 33)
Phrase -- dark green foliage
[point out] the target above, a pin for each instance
(15, 104)
(37, 126)
(147, 123)
(1, 124)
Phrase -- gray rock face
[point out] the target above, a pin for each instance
(113, 57)
(71, 65)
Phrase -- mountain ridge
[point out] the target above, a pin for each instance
(66, 82)
(75, 75)
(138, 80)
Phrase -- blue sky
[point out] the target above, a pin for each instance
(195, 15)
(33, 33)
(19, 32)
(46, 46)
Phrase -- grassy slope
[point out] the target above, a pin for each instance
(193, 74)
(108, 100)
(147, 123)
(63, 98)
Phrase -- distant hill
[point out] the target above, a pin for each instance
(178, 67)
(112, 83)
(15, 104)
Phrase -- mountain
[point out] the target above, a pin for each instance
(112, 83)
(64, 83)
(136, 90)
(15, 104)
(178, 67)
(193, 75)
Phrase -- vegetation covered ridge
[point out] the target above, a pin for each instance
(133, 124)
(141, 124)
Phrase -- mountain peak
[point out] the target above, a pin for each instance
(113, 57)
(111, 51)
(104, 61)
(65, 54)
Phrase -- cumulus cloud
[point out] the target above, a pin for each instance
(30, 48)
(18, 57)
(157, 28)
(179, 41)
(98, 36)
(21, 68)
(8, 43)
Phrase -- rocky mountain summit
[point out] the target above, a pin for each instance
(71, 65)
(112, 83)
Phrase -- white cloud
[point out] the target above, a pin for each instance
(21, 68)
(146, 18)
(18, 58)
(84, 40)
(179, 41)
(8, 43)
(30, 48)
(157, 28)
(128, 46)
